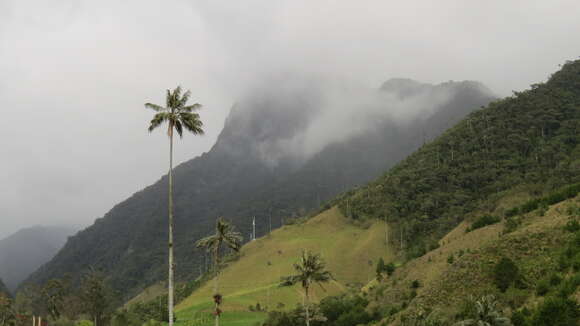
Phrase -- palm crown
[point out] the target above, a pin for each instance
(224, 234)
(310, 268)
(177, 114)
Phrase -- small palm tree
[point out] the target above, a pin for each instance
(178, 116)
(486, 314)
(225, 234)
(310, 269)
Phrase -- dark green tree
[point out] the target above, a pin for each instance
(506, 272)
(53, 293)
(7, 316)
(96, 296)
(381, 267)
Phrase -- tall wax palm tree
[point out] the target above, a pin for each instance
(225, 234)
(310, 269)
(179, 116)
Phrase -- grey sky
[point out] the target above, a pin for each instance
(74, 76)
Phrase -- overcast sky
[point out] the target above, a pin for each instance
(74, 76)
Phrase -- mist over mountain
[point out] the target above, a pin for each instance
(26, 250)
(286, 147)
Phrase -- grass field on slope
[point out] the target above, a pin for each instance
(351, 254)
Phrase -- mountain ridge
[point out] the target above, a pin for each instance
(128, 243)
(24, 251)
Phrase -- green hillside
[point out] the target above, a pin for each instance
(529, 141)
(536, 247)
(499, 187)
(350, 250)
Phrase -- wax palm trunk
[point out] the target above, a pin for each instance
(179, 117)
(170, 240)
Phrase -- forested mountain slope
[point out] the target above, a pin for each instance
(529, 140)
(249, 173)
(25, 251)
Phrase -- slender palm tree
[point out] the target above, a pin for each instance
(225, 234)
(486, 314)
(178, 116)
(310, 269)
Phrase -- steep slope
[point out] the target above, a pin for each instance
(25, 251)
(250, 172)
(351, 254)
(530, 140)
(535, 246)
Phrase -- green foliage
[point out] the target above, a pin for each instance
(511, 224)
(551, 199)
(543, 287)
(96, 296)
(155, 309)
(570, 255)
(7, 315)
(572, 225)
(346, 310)
(381, 267)
(520, 318)
(415, 284)
(390, 268)
(482, 221)
(84, 323)
(557, 311)
(53, 293)
(505, 273)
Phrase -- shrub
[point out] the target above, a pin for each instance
(576, 262)
(84, 323)
(519, 319)
(390, 269)
(483, 221)
(542, 288)
(415, 284)
(511, 223)
(556, 312)
(572, 225)
(555, 279)
(506, 272)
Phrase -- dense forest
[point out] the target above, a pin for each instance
(529, 140)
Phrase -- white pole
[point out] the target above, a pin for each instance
(254, 228)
